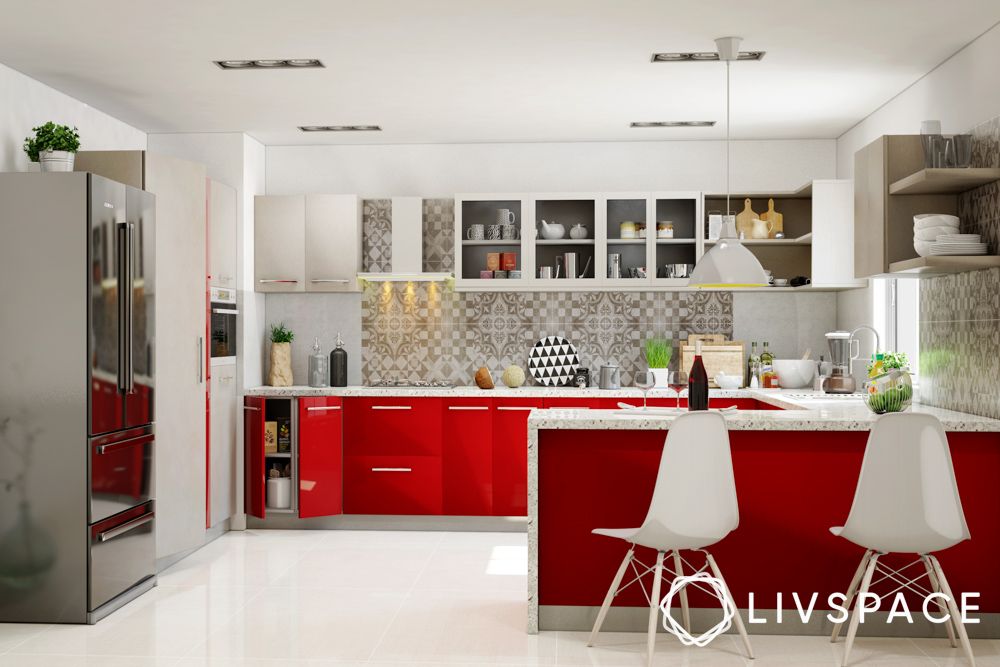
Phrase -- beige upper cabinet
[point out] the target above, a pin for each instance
(307, 243)
(333, 243)
(222, 234)
(280, 243)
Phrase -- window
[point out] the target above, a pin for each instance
(897, 308)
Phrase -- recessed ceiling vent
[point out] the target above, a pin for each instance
(673, 123)
(288, 63)
(340, 128)
(701, 56)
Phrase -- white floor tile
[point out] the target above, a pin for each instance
(12, 634)
(615, 649)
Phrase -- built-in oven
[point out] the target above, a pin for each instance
(223, 325)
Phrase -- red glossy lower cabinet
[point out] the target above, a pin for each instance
(253, 437)
(568, 402)
(510, 455)
(392, 485)
(382, 426)
(467, 456)
(320, 456)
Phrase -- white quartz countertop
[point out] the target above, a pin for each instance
(472, 391)
(802, 411)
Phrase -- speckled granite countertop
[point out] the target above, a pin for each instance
(471, 391)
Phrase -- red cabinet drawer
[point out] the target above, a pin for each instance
(510, 455)
(392, 426)
(392, 485)
(320, 456)
(467, 458)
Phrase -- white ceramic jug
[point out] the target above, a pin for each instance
(760, 229)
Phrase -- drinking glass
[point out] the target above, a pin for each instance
(677, 380)
(644, 380)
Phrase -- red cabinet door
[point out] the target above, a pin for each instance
(385, 426)
(510, 455)
(467, 457)
(320, 457)
(253, 437)
(392, 485)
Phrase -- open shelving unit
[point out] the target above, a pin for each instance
(943, 181)
(937, 265)
(283, 410)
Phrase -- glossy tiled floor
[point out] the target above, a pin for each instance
(270, 598)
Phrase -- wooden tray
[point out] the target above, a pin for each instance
(717, 353)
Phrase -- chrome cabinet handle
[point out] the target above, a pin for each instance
(226, 311)
(121, 444)
(570, 407)
(277, 280)
(124, 528)
(392, 407)
(251, 407)
(512, 408)
(468, 407)
(323, 408)
(201, 363)
(330, 280)
(392, 469)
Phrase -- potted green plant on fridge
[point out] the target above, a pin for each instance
(889, 387)
(53, 147)
(280, 373)
(658, 352)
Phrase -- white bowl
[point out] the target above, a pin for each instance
(728, 381)
(923, 248)
(931, 233)
(795, 373)
(925, 220)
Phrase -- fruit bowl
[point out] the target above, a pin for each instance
(889, 392)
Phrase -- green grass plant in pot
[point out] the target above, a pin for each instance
(658, 352)
(53, 147)
(889, 387)
(280, 373)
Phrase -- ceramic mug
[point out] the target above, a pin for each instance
(493, 232)
(505, 216)
(476, 232)
(509, 232)
(545, 272)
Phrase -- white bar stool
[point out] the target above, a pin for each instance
(906, 502)
(693, 506)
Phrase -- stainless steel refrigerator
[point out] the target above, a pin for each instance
(77, 295)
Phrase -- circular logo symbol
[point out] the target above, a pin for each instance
(717, 587)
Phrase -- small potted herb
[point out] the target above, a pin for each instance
(889, 387)
(658, 352)
(53, 146)
(280, 373)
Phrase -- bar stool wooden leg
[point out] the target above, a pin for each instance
(737, 619)
(963, 636)
(936, 587)
(852, 589)
(609, 598)
(685, 609)
(654, 608)
(856, 616)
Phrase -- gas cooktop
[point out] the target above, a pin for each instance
(416, 384)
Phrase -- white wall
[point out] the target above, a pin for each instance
(26, 103)
(962, 92)
(442, 170)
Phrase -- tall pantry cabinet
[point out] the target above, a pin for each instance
(180, 358)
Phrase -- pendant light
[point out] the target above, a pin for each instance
(728, 264)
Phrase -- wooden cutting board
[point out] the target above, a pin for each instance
(745, 218)
(776, 219)
(717, 353)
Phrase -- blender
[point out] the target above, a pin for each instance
(840, 380)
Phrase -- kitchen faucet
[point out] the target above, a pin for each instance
(853, 340)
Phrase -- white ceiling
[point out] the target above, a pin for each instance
(435, 71)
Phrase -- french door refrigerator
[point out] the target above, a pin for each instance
(77, 295)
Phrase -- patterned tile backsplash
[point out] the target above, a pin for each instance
(423, 330)
(960, 313)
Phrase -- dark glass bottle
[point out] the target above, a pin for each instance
(697, 382)
(338, 364)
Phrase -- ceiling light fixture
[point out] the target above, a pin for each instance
(673, 123)
(291, 63)
(340, 128)
(728, 264)
(701, 56)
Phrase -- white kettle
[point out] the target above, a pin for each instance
(552, 230)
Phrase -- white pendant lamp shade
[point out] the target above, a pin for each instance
(728, 264)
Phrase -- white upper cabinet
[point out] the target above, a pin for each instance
(333, 243)
(222, 234)
(307, 243)
(833, 234)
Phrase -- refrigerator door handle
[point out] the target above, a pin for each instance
(125, 527)
(124, 284)
(131, 306)
(201, 361)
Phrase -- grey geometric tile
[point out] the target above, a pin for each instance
(376, 244)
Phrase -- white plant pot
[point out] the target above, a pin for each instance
(56, 160)
(660, 377)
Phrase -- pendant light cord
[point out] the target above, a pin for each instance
(728, 209)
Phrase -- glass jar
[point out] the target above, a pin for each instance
(889, 392)
(319, 367)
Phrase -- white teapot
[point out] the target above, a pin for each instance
(552, 230)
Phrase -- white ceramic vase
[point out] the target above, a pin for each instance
(660, 377)
(56, 160)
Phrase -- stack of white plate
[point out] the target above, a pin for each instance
(928, 226)
(958, 244)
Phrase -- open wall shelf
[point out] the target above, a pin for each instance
(943, 181)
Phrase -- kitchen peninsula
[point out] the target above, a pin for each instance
(796, 470)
